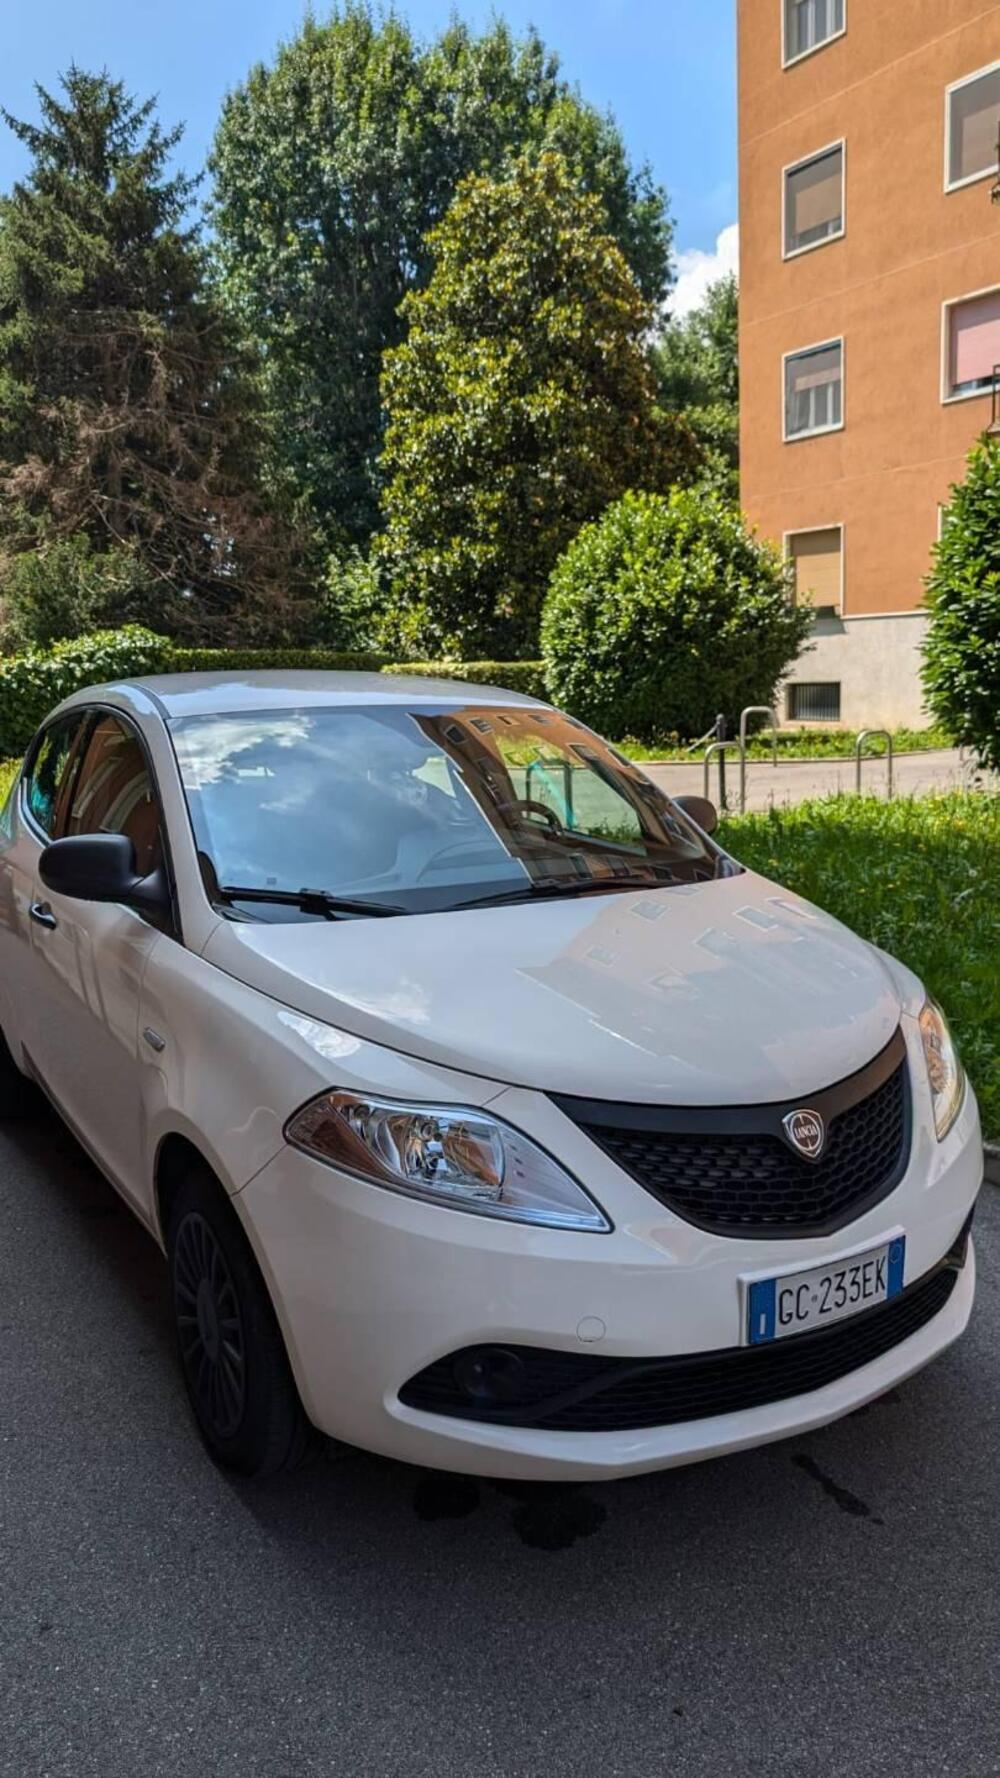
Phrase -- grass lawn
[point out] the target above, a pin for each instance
(801, 743)
(921, 878)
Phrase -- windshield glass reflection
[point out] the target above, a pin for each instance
(423, 809)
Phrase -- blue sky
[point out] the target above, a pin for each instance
(665, 67)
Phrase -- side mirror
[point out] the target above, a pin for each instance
(699, 810)
(101, 867)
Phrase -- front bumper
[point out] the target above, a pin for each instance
(371, 1288)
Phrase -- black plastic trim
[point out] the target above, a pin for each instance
(753, 1376)
(737, 1120)
(593, 1115)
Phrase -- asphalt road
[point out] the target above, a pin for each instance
(826, 1606)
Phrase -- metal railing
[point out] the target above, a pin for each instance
(718, 749)
(873, 734)
(721, 748)
(745, 715)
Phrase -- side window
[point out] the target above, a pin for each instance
(114, 793)
(48, 778)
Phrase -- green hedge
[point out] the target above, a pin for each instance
(32, 683)
(262, 660)
(521, 676)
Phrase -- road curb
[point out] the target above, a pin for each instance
(991, 1150)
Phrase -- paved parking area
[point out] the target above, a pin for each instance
(792, 781)
(829, 1606)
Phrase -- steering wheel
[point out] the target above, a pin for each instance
(528, 806)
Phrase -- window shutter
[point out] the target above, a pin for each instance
(975, 340)
(816, 563)
(975, 120)
(815, 199)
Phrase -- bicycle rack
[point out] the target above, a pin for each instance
(755, 710)
(872, 734)
(723, 747)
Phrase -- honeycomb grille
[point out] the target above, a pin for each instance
(752, 1182)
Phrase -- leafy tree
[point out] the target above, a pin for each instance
(698, 374)
(330, 168)
(665, 612)
(126, 409)
(519, 405)
(962, 649)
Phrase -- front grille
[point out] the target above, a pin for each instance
(581, 1392)
(732, 1170)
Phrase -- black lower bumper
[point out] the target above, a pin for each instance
(586, 1392)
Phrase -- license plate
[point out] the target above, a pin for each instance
(798, 1302)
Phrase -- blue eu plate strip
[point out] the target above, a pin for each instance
(897, 1262)
(763, 1301)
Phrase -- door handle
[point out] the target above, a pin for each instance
(42, 914)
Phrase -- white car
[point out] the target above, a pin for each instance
(490, 1115)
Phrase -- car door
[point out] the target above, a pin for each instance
(29, 819)
(91, 958)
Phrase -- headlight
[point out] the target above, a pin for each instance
(448, 1155)
(944, 1070)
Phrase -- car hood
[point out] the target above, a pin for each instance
(729, 992)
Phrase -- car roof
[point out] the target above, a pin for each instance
(218, 694)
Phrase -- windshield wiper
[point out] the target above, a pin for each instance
(309, 901)
(558, 886)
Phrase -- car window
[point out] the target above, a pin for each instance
(49, 775)
(114, 793)
(423, 809)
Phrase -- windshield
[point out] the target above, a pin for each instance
(422, 809)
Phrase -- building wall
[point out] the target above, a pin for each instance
(908, 248)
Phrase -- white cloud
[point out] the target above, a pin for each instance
(696, 270)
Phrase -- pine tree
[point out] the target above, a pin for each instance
(127, 416)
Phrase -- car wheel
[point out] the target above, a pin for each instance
(19, 1096)
(233, 1359)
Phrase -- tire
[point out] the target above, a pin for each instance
(232, 1355)
(19, 1096)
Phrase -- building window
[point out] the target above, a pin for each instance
(814, 390)
(809, 24)
(814, 703)
(972, 124)
(814, 200)
(816, 565)
(971, 345)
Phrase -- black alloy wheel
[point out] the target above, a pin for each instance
(232, 1354)
(209, 1327)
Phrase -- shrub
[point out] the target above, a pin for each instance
(352, 605)
(32, 684)
(263, 660)
(66, 588)
(521, 676)
(664, 612)
(962, 649)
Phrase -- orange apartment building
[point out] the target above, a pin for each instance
(869, 314)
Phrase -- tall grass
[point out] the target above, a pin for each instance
(921, 878)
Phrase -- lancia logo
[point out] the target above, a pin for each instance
(806, 1132)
